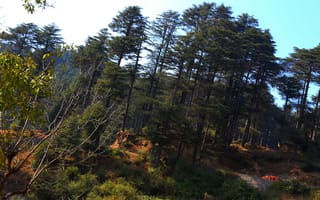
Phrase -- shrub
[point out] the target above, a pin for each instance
(114, 189)
(66, 183)
(293, 187)
(155, 183)
(238, 189)
(192, 182)
(77, 189)
(129, 171)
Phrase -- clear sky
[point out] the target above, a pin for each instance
(79, 19)
(291, 22)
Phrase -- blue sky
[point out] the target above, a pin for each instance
(291, 22)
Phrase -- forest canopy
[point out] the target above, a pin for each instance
(189, 80)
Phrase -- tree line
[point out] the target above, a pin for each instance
(193, 80)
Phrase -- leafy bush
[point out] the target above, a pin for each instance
(116, 153)
(293, 187)
(145, 197)
(150, 181)
(130, 172)
(119, 188)
(79, 188)
(238, 189)
(154, 183)
(192, 182)
(65, 184)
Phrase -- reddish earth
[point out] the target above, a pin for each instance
(271, 178)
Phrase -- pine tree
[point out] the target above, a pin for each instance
(305, 66)
(90, 59)
(20, 40)
(263, 69)
(162, 38)
(47, 41)
(290, 87)
(129, 27)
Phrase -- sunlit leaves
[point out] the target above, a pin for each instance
(21, 86)
(31, 5)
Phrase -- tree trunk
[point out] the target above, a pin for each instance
(158, 154)
(197, 140)
(231, 129)
(93, 77)
(132, 81)
(246, 131)
(315, 119)
(304, 101)
(1, 121)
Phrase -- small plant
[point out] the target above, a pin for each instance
(129, 172)
(238, 189)
(193, 183)
(155, 183)
(293, 187)
(114, 189)
(117, 153)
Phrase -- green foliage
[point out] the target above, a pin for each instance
(81, 133)
(81, 186)
(68, 136)
(293, 187)
(129, 171)
(20, 40)
(116, 154)
(111, 189)
(112, 86)
(93, 113)
(145, 197)
(129, 25)
(238, 189)
(31, 5)
(155, 183)
(28, 39)
(150, 182)
(186, 178)
(194, 183)
(92, 123)
(22, 87)
(93, 54)
(22, 90)
(65, 184)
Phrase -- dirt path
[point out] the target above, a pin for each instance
(255, 181)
